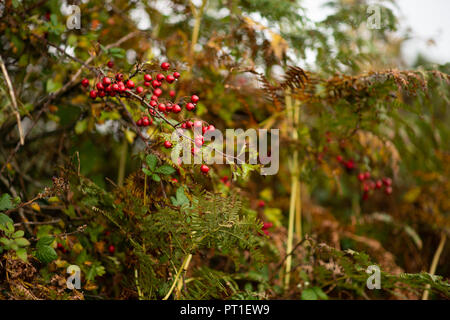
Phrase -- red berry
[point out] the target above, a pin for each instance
(111, 249)
(165, 66)
(361, 176)
(174, 180)
(388, 190)
(106, 81)
(204, 129)
(387, 182)
(155, 83)
(147, 84)
(139, 123)
(365, 196)
(110, 64)
(59, 246)
(339, 158)
(101, 94)
(169, 107)
(139, 89)
(210, 128)
(157, 92)
(85, 82)
(170, 78)
(261, 204)
(189, 124)
(199, 141)
(378, 184)
(100, 86)
(147, 78)
(146, 121)
(130, 84)
(119, 77)
(176, 75)
(195, 99)
(93, 94)
(153, 103)
(155, 98)
(267, 225)
(204, 168)
(172, 93)
(115, 87)
(190, 106)
(160, 77)
(367, 175)
(112, 93)
(183, 125)
(350, 164)
(167, 144)
(162, 107)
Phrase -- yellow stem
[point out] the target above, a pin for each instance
(183, 267)
(198, 13)
(434, 263)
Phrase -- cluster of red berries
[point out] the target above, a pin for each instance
(266, 226)
(153, 97)
(367, 183)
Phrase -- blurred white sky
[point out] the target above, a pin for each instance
(428, 19)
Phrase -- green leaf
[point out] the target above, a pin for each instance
(45, 241)
(22, 242)
(22, 254)
(46, 254)
(6, 202)
(18, 234)
(4, 219)
(309, 294)
(165, 169)
(146, 171)
(151, 160)
(320, 294)
(156, 178)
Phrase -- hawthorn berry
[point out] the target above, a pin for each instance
(190, 106)
(195, 99)
(361, 176)
(115, 87)
(157, 92)
(153, 103)
(367, 175)
(130, 84)
(154, 98)
(85, 82)
(261, 204)
(204, 168)
(378, 184)
(160, 77)
(167, 144)
(172, 93)
(388, 190)
(146, 121)
(100, 86)
(139, 89)
(350, 164)
(162, 107)
(387, 181)
(111, 249)
(176, 75)
(106, 81)
(267, 225)
(119, 77)
(165, 66)
(155, 84)
(93, 94)
(170, 78)
(147, 78)
(147, 84)
(139, 123)
(169, 107)
(101, 94)
(197, 124)
(339, 158)
(110, 64)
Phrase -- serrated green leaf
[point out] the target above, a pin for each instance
(156, 178)
(146, 171)
(6, 202)
(165, 169)
(151, 161)
(45, 241)
(46, 254)
(4, 219)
